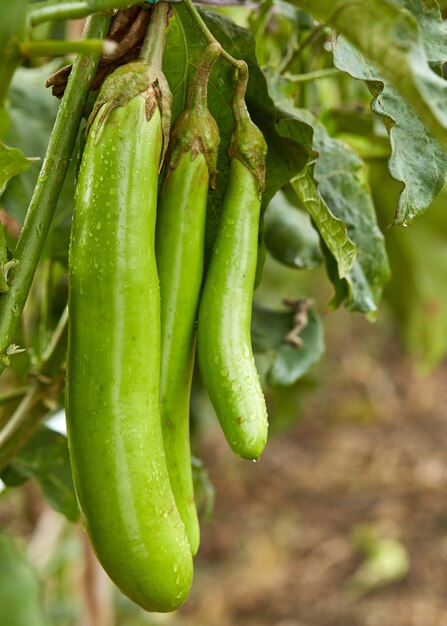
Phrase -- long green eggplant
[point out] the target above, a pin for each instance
(180, 245)
(113, 416)
(224, 346)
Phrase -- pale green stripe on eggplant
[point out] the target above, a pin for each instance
(225, 353)
(180, 250)
(113, 414)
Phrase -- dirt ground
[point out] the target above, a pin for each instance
(369, 448)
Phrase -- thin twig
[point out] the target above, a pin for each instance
(25, 419)
(13, 394)
(307, 41)
(208, 35)
(71, 10)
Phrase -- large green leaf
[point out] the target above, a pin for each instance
(289, 139)
(21, 597)
(45, 459)
(332, 229)
(342, 184)
(289, 362)
(390, 38)
(432, 29)
(417, 159)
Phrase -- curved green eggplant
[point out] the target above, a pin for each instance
(224, 346)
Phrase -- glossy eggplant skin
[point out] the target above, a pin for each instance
(180, 250)
(180, 246)
(112, 398)
(224, 346)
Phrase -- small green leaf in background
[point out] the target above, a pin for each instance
(289, 234)
(289, 363)
(45, 459)
(20, 588)
(12, 162)
(385, 562)
(417, 160)
(417, 292)
(204, 491)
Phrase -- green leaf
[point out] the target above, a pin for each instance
(334, 191)
(417, 159)
(289, 139)
(390, 38)
(45, 459)
(341, 182)
(332, 229)
(289, 234)
(12, 162)
(432, 29)
(289, 363)
(20, 589)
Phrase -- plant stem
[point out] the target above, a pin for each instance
(310, 76)
(207, 33)
(44, 281)
(12, 31)
(56, 337)
(51, 48)
(311, 38)
(154, 42)
(46, 193)
(75, 9)
(13, 394)
(20, 426)
(197, 98)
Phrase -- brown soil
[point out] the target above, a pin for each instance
(369, 447)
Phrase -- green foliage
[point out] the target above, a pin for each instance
(45, 460)
(417, 159)
(20, 589)
(416, 292)
(12, 162)
(32, 110)
(386, 561)
(289, 363)
(390, 38)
